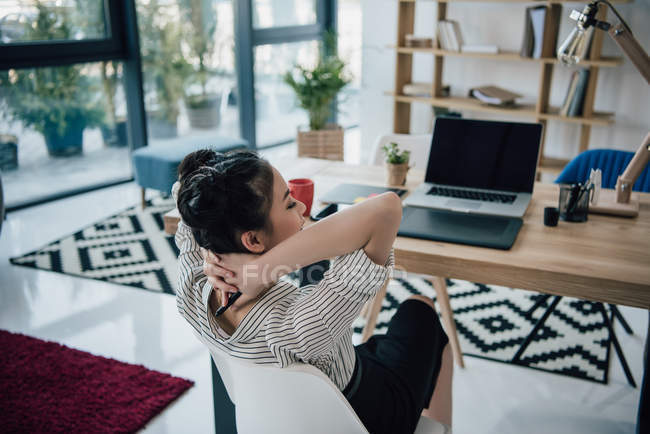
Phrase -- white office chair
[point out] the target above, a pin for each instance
(294, 400)
(419, 145)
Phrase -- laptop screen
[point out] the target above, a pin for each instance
(484, 154)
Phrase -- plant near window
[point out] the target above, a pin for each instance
(316, 89)
(397, 163)
(200, 27)
(59, 102)
(164, 66)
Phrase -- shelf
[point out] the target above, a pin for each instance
(507, 56)
(598, 118)
(524, 110)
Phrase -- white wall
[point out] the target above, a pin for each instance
(621, 89)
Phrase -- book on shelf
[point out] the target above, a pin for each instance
(568, 97)
(575, 109)
(533, 40)
(449, 35)
(575, 96)
(494, 95)
(475, 48)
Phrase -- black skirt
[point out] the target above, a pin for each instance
(395, 373)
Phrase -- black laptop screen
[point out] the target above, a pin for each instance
(484, 154)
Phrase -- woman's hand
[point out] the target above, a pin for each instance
(234, 272)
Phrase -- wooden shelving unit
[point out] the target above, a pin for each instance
(541, 111)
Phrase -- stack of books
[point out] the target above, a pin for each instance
(449, 36)
(494, 95)
(575, 96)
(418, 41)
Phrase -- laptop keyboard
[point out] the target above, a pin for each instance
(472, 195)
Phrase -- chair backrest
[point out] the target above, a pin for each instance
(418, 144)
(611, 162)
(296, 399)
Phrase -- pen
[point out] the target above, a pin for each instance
(231, 300)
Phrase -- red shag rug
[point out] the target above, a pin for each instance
(46, 387)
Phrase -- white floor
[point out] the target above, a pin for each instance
(142, 327)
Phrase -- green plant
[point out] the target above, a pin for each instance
(394, 155)
(58, 102)
(200, 26)
(317, 87)
(164, 66)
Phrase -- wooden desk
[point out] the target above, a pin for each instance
(605, 259)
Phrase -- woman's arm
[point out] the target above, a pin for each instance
(371, 225)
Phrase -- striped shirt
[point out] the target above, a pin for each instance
(287, 324)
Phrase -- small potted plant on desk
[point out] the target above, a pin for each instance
(397, 164)
(316, 88)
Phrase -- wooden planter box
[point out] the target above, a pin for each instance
(326, 143)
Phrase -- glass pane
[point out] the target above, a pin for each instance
(188, 69)
(24, 21)
(61, 129)
(282, 13)
(349, 49)
(276, 109)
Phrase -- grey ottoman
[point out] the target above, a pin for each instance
(155, 165)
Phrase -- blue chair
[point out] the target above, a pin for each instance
(612, 163)
(155, 165)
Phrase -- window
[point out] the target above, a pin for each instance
(69, 95)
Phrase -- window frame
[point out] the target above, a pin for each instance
(247, 38)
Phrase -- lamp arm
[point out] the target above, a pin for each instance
(620, 18)
(630, 46)
(626, 181)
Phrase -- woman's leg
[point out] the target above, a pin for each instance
(440, 406)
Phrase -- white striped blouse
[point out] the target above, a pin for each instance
(287, 324)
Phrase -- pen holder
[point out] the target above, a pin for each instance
(574, 202)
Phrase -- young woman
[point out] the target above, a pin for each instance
(241, 231)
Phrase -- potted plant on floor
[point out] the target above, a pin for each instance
(59, 102)
(203, 105)
(397, 164)
(316, 88)
(113, 127)
(164, 67)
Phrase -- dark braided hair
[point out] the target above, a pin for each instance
(223, 195)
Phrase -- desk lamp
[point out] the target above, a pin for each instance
(618, 202)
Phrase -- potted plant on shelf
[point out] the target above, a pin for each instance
(164, 67)
(397, 164)
(316, 88)
(203, 105)
(59, 102)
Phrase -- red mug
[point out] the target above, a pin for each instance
(302, 189)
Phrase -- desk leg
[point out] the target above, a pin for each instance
(440, 286)
(643, 415)
(224, 409)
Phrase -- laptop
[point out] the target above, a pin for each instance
(480, 167)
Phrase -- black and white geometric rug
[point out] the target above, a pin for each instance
(131, 248)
